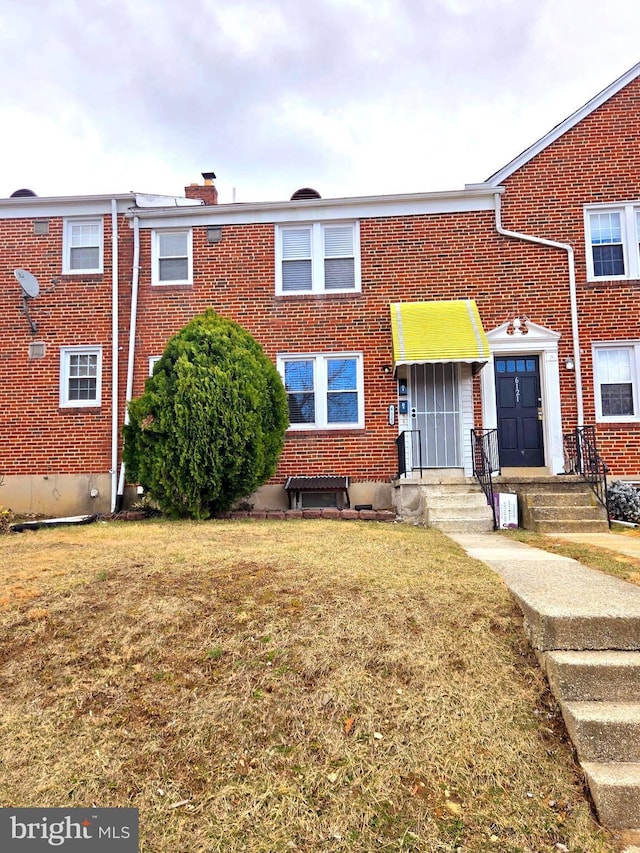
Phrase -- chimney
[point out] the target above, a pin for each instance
(208, 193)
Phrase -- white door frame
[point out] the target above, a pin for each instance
(544, 343)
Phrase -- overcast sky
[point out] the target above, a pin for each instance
(352, 97)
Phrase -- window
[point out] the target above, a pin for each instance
(80, 376)
(613, 234)
(317, 258)
(82, 246)
(172, 257)
(616, 381)
(324, 391)
(153, 360)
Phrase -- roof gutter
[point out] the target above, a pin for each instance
(132, 344)
(541, 241)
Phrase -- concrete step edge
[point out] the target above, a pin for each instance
(604, 731)
(566, 513)
(615, 788)
(569, 526)
(593, 675)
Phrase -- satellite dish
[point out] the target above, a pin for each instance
(28, 282)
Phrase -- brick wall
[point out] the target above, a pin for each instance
(403, 258)
(40, 437)
(597, 161)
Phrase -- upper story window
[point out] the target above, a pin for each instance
(616, 371)
(317, 258)
(324, 391)
(172, 256)
(80, 376)
(82, 246)
(613, 235)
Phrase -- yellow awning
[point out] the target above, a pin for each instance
(435, 332)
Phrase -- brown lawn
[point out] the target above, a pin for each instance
(280, 686)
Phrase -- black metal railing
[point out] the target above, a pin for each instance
(581, 457)
(409, 451)
(484, 452)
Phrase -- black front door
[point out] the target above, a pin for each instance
(519, 411)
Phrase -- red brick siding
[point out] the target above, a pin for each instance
(597, 161)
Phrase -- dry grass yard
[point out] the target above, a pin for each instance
(280, 686)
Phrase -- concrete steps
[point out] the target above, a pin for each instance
(448, 502)
(585, 628)
(599, 695)
(560, 504)
(456, 510)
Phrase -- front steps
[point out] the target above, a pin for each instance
(446, 499)
(448, 502)
(599, 695)
(560, 504)
(585, 628)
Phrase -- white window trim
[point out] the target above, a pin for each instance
(155, 262)
(153, 360)
(320, 388)
(630, 240)
(318, 258)
(67, 245)
(65, 353)
(635, 380)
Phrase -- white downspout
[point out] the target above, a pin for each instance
(516, 235)
(114, 352)
(132, 341)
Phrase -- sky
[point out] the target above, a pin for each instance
(350, 97)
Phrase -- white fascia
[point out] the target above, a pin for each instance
(33, 207)
(320, 210)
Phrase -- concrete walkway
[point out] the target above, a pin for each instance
(585, 627)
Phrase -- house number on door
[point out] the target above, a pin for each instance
(517, 386)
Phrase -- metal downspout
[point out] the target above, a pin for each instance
(516, 235)
(114, 352)
(132, 343)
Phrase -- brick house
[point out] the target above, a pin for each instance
(398, 323)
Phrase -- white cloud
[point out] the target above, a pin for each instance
(351, 96)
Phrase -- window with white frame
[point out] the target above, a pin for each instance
(616, 371)
(153, 360)
(317, 258)
(81, 376)
(83, 246)
(613, 237)
(324, 391)
(172, 256)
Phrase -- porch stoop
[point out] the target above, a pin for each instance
(555, 504)
(453, 504)
(585, 628)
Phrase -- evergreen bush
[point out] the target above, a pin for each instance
(209, 427)
(624, 502)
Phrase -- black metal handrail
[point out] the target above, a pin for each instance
(582, 458)
(484, 452)
(409, 451)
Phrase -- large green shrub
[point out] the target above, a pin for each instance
(209, 427)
